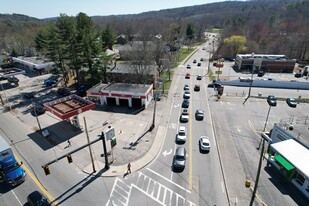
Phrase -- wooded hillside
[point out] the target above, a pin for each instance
(270, 26)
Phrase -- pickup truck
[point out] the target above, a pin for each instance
(10, 170)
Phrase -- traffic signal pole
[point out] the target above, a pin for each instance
(105, 151)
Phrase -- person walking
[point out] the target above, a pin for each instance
(69, 142)
(129, 169)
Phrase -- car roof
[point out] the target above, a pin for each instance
(180, 151)
(182, 128)
(204, 139)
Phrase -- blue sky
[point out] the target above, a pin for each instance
(52, 8)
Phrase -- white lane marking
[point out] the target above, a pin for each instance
(16, 197)
(165, 153)
(223, 188)
(175, 145)
(113, 199)
(155, 159)
(169, 180)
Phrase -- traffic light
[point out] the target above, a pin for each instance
(46, 170)
(70, 160)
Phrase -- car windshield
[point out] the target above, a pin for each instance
(205, 143)
(182, 133)
(180, 158)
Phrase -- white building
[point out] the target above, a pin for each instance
(292, 160)
(34, 64)
(124, 94)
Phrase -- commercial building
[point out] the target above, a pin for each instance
(264, 62)
(33, 64)
(290, 156)
(292, 160)
(124, 94)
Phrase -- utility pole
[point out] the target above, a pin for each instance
(90, 150)
(251, 80)
(36, 116)
(105, 151)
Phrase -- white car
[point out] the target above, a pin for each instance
(181, 136)
(204, 143)
(184, 115)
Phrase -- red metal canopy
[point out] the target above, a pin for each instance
(69, 106)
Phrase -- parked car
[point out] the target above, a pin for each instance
(187, 76)
(39, 109)
(261, 73)
(197, 88)
(199, 77)
(37, 199)
(51, 80)
(298, 75)
(13, 79)
(186, 95)
(291, 102)
(272, 100)
(184, 115)
(181, 136)
(29, 95)
(158, 96)
(179, 161)
(186, 87)
(63, 91)
(185, 103)
(188, 66)
(82, 90)
(199, 64)
(199, 114)
(194, 61)
(204, 143)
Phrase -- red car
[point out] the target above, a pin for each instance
(197, 88)
(187, 76)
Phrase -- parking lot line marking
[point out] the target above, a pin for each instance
(16, 197)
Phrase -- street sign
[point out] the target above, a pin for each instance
(109, 134)
(113, 142)
(218, 72)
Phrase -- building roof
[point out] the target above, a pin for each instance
(295, 153)
(263, 56)
(34, 62)
(131, 88)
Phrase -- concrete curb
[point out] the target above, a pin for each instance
(121, 170)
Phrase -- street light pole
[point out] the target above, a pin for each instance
(251, 80)
(257, 175)
(261, 158)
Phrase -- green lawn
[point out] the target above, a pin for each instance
(167, 83)
(183, 53)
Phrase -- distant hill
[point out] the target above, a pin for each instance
(271, 26)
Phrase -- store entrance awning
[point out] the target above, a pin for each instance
(284, 162)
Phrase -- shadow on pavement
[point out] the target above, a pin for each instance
(58, 133)
(286, 187)
(119, 109)
(82, 184)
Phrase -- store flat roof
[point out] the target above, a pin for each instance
(295, 153)
(132, 88)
